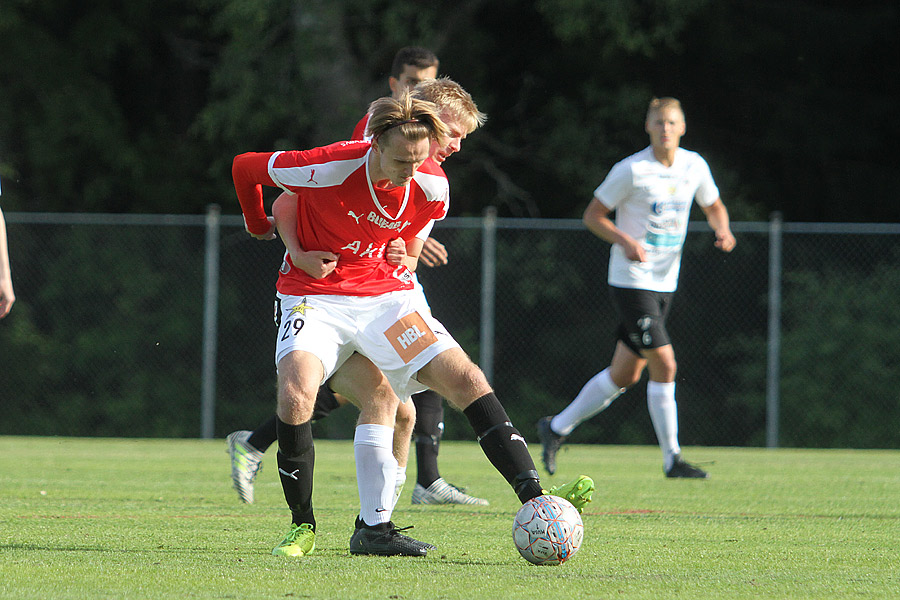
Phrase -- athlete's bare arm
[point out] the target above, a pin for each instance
(413, 251)
(315, 263)
(717, 217)
(596, 218)
(7, 296)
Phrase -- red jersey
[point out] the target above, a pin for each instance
(341, 211)
(359, 132)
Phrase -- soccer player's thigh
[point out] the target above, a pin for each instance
(299, 374)
(311, 343)
(453, 375)
(360, 381)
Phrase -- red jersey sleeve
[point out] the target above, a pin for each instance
(250, 172)
(359, 132)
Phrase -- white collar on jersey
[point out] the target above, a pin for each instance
(375, 196)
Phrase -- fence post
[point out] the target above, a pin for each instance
(773, 353)
(488, 285)
(210, 321)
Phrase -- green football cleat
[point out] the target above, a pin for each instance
(577, 492)
(300, 541)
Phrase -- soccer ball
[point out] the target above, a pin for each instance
(548, 530)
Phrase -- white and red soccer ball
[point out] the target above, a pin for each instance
(548, 530)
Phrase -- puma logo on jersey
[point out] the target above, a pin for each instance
(354, 215)
(312, 174)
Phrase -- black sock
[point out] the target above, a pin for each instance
(504, 446)
(296, 459)
(325, 403)
(265, 435)
(428, 431)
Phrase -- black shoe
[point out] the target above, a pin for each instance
(680, 468)
(551, 441)
(385, 539)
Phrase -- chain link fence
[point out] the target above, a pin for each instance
(161, 326)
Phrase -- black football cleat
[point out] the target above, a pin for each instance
(550, 443)
(685, 470)
(385, 539)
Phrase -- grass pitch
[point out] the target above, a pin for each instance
(123, 518)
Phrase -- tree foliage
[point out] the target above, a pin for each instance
(139, 106)
(839, 352)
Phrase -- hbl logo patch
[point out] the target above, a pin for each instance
(409, 336)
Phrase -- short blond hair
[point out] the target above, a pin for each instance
(450, 97)
(658, 104)
(414, 118)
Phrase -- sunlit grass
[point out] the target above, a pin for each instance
(113, 518)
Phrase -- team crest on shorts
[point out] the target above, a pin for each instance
(301, 309)
(410, 336)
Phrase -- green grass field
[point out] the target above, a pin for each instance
(117, 518)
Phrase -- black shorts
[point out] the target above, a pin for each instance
(642, 317)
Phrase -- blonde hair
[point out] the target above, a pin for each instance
(450, 97)
(658, 104)
(414, 118)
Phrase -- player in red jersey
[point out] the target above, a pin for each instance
(423, 419)
(354, 198)
(351, 305)
(459, 112)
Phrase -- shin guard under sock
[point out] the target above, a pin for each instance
(427, 434)
(503, 445)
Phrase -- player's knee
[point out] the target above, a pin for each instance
(666, 368)
(470, 386)
(295, 404)
(406, 417)
(626, 377)
(672, 370)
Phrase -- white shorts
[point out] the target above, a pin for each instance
(395, 331)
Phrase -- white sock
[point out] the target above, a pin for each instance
(398, 485)
(376, 472)
(597, 394)
(664, 415)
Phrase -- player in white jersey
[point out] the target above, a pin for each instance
(651, 193)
